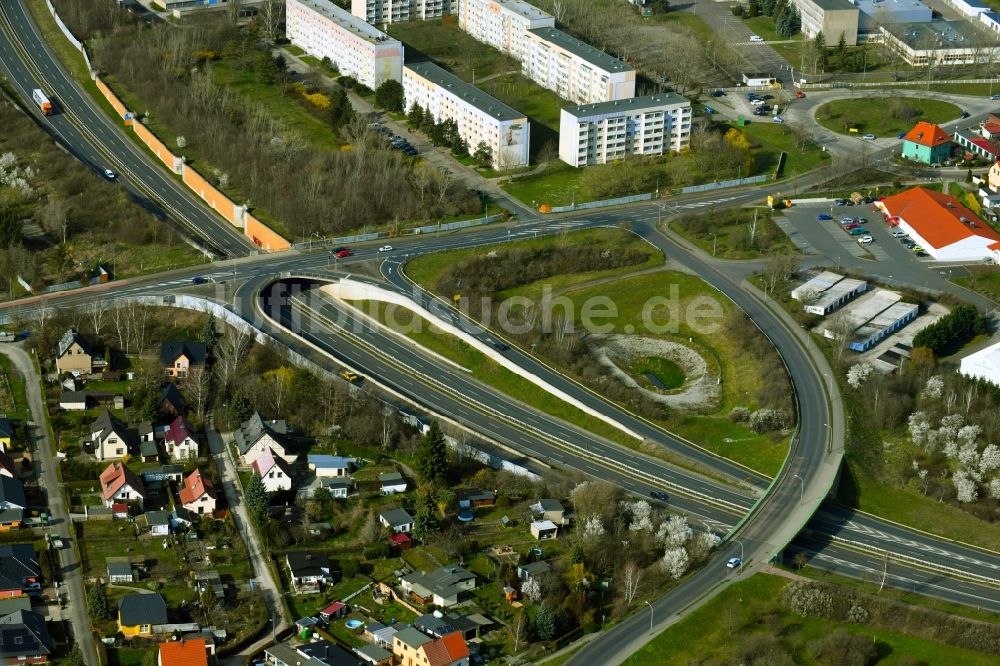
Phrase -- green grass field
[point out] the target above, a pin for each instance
(764, 27)
(753, 607)
(876, 116)
(557, 185)
(984, 279)
(729, 237)
(669, 373)
(769, 139)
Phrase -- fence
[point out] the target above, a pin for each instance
(69, 35)
(603, 203)
(735, 182)
(375, 235)
(897, 84)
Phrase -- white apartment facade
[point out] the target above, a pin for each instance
(480, 117)
(575, 70)
(609, 131)
(323, 29)
(502, 24)
(396, 11)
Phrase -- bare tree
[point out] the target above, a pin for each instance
(631, 577)
(96, 311)
(198, 387)
(271, 12)
(235, 10)
(230, 353)
(388, 426)
(54, 217)
(517, 629)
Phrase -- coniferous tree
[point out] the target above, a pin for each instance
(258, 499)
(98, 605)
(432, 456)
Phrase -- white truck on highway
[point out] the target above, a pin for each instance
(43, 102)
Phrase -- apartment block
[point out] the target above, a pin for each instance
(396, 11)
(503, 24)
(833, 17)
(323, 29)
(480, 117)
(608, 131)
(575, 70)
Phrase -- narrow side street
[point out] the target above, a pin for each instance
(45, 468)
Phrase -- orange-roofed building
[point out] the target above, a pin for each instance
(120, 484)
(183, 653)
(197, 495)
(449, 650)
(942, 225)
(927, 143)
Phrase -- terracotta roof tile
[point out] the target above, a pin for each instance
(927, 134)
(930, 215)
(184, 653)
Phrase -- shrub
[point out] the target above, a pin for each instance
(808, 600)
(739, 414)
(766, 420)
(951, 331)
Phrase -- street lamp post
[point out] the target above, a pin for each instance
(741, 555)
(713, 243)
(650, 616)
(802, 487)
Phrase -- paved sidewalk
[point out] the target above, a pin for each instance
(45, 467)
(271, 591)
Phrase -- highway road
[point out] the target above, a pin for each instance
(100, 142)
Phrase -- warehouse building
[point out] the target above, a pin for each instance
(503, 24)
(480, 117)
(940, 42)
(846, 322)
(608, 131)
(873, 13)
(827, 291)
(575, 70)
(324, 30)
(883, 325)
(942, 225)
(833, 17)
(984, 364)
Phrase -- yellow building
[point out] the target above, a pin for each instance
(138, 614)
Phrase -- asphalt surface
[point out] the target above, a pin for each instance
(91, 136)
(69, 568)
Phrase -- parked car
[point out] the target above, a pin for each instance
(858, 231)
(349, 375)
(901, 135)
(718, 93)
(755, 102)
(733, 562)
(709, 110)
(658, 495)
(756, 39)
(861, 220)
(922, 254)
(898, 234)
(868, 137)
(824, 217)
(199, 280)
(994, 97)
(777, 119)
(799, 94)
(847, 220)
(917, 248)
(840, 202)
(851, 226)
(865, 240)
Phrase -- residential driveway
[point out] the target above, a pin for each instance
(45, 468)
(258, 556)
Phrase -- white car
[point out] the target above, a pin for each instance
(757, 102)
(733, 562)
(777, 119)
(109, 174)
(756, 39)
(385, 248)
(864, 240)
(898, 234)
(868, 137)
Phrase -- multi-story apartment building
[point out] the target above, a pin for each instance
(480, 117)
(608, 131)
(833, 17)
(323, 29)
(575, 70)
(397, 11)
(503, 24)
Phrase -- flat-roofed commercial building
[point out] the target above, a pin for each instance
(833, 17)
(575, 70)
(503, 24)
(873, 13)
(480, 117)
(322, 29)
(608, 131)
(396, 11)
(941, 42)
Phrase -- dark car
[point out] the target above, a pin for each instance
(500, 346)
(964, 114)
(658, 495)
(824, 217)
(718, 93)
(199, 280)
(840, 202)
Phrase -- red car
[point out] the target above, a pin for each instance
(853, 225)
(342, 252)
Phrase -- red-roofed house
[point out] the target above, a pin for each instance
(946, 229)
(401, 540)
(120, 484)
(333, 611)
(927, 143)
(180, 442)
(197, 495)
(273, 471)
(975, 144)
(191, 652)
(449, 650)
(990, 131)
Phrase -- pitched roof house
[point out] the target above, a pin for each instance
(256, 435)
(442, 587)
(190, 652)
(308, 570)
(549, 509)
(24, 638)
(110, 438)
(120, 484)
(73, 353)
(927, 143)
(139, 613)
(273, 471)
(409, 646)
(398, 520)
(197, 494)
(171, 403)
(179, 359)
(179, 441)
(18, 567)
(392, 483)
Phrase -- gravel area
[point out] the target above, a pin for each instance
(700, 389)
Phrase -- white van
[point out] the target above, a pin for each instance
(756, 39)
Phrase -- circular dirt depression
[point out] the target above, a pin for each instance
(699, 389)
